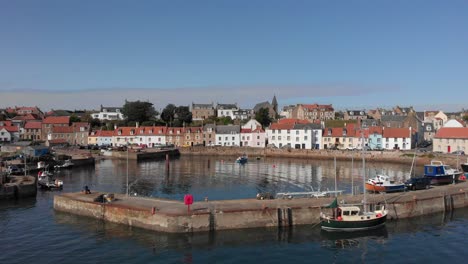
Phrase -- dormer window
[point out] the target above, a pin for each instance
(119, 132)
(132, 132)
(178, 131)
(141, 131)
(151, 131)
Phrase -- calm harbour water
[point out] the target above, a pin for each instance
(31, 231)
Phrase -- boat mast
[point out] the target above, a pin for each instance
(363, 172)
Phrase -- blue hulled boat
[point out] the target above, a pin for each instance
(242, 159)
(440, 173)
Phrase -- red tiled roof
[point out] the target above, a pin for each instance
(6, 123)
(126, 131)
(56, 120)
(293, 121)
(174, 130)
(452, 132)
(10, 128)
(33, 125)
(390, 132)
(104, 133)
(281, 126)
(156, 130)
(246, 130)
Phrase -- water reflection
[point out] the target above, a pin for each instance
(222, 178)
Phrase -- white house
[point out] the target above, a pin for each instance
(104, 137)
(453, 123)
(109, 113)
(252, 124)
(151, 136)
(298, 136)
(224, 110)
(396, 138)
(449, 139)
(125, 135)
(5, 136)
(255, 138)
(228, 135)
(9, 134)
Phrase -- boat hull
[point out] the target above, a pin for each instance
(446, 179)
(350, 226)
(385, 188)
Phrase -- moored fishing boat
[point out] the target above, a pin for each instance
(440, 173)
(242, 159)
(354, 217)
(382, 183)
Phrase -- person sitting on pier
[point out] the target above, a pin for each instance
(86, 190)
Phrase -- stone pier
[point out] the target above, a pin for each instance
(174, 217)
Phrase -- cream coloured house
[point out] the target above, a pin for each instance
(449, 139)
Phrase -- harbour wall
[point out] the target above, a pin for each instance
(16, 187)
(389, 156)
(173, 216)
(145, 155)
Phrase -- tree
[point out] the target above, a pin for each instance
(263, 117)
(74, 118)
(167, 114)
(176, 115)
(465, 118)
(139, 111)
(183, 114)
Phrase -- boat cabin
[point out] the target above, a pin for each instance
(437, 168)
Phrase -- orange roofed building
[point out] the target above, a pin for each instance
(450, 139)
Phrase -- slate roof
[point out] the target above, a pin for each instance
(212, 126)
(226, 106)
(393, 118)
(229, 129)
(202, 106)
(261, 105)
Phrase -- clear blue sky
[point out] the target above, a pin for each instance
(349, 53)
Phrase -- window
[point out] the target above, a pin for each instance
(297, 138)
(273, 138)
(297, 132)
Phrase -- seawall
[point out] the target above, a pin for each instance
(174, 217)
(16, 187)
(397, 156)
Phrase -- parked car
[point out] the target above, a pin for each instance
(459, 152)
(418, 183)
